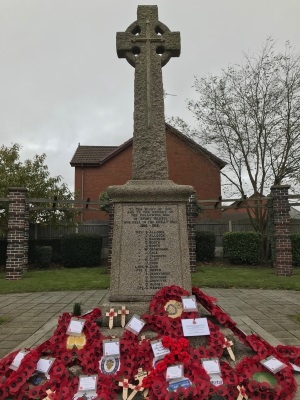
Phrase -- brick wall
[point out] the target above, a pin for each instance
(281, 225)
(186, 167)
(16, 233)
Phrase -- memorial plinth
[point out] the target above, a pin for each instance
(150, 240)
(150, 246)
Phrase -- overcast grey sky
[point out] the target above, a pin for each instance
(61, 81)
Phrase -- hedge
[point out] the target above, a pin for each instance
(242, 247)
(205, 246)
(81, 250)
(43, 256)
(3, 247)
(295, 239)
(54, 243)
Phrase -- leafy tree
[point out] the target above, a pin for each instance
(35, 176)
(104, 201)
(250, 116)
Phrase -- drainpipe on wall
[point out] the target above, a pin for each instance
(82, 188)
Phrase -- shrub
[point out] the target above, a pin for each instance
(43, 256)
(3, 248)
(205, 246)
(81, 250)
(295, 239)
(242, 247)
(54, 243)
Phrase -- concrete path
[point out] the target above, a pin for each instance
(33, 316)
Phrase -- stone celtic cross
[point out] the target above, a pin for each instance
(148, 45)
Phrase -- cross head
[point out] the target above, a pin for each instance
(146, 38)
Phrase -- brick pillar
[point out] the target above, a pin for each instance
(16, 233)
(281, 223)
(190, 214)
(110, 233)
(26, 237)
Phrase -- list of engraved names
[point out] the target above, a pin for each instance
(153, 238)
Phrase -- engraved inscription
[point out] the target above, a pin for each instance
(153, 231)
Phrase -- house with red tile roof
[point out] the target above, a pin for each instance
(97, 167)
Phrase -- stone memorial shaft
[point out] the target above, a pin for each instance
(149, 233)
(148, 45)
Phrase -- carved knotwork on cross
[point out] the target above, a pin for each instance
(147, 44)
(227, 345)
(123, 312)
(125, 386)
(111, 314)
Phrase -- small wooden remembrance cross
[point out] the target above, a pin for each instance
(139, 377)
(242, 393)
(135, 390)
(227, 345)
(48, 394)
(123, 313)
(143, 337)
(125, 385)
(148, 45)
(111, 314)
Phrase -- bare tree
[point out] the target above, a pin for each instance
(250, 115)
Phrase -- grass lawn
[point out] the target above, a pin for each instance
(57, 279)
(228, 276)
(223, 276)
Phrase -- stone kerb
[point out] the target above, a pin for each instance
(16, 234)
(281, 224)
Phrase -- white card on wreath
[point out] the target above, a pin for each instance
(44, 364)
(87, 383)
(272, 364)
(174, 372)
(189, 303)
(195, 327)
(90, 395)
(135, 325)
(216, 379)
(158, 349)
(211, 365)
(111, 347)
(18, 359)
(295, 367)
(87, 312)
(75, 326)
